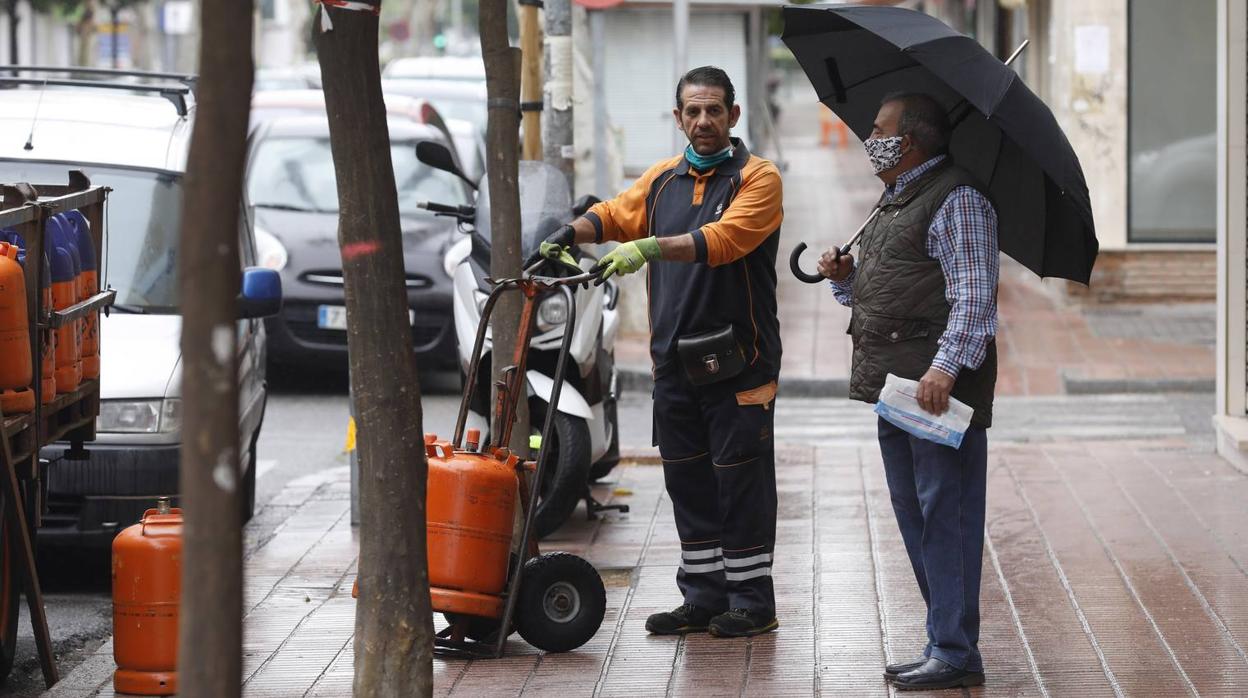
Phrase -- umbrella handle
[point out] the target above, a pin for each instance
(797, 269)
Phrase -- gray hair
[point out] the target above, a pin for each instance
(924, 120)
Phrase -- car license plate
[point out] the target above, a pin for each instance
(334, 317)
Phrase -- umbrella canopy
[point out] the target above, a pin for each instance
(1003, 133)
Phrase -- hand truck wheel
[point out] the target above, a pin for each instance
(561, 604)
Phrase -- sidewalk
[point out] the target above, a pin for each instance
(1110, 567)
(1044, 347)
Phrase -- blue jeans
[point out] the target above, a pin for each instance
(938, 496)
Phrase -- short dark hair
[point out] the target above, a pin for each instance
(923, 119)
(707, 76)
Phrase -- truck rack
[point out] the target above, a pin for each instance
(174, 87)
(70, 416)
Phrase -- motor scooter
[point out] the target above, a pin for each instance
(585, 443)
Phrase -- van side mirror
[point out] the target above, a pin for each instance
(261, 295)
(439, 157)
(583, 204)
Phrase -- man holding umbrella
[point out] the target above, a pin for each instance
(972, 162)
(924, 304)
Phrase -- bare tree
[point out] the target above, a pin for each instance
(502, 80)
(393, 621)
(210, 630)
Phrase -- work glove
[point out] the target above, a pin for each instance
(556, 247)
(626, 259)
(558, 253)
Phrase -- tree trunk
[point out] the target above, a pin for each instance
(210, 631)
(502, 81)
(393, 619)
(85, 29)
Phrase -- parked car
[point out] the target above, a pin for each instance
(469, 147)
(463, 105)
(296, 77)
(292, 188)
(454, 99)
(137, 145)
(465, 68)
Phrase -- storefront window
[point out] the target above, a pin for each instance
(1172, 120)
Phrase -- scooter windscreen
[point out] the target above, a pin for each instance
(545, 204)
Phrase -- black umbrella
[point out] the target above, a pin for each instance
(1003, 133)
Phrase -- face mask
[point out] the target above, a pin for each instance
(702, 163)
(884, 153)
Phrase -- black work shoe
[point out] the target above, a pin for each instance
(685, 618)
(742, 623)
(935, 674)
(892, 670)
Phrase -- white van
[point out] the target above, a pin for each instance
(136, 143)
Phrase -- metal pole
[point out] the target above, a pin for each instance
(531, 83)
(557, 146)
(986, 24)
(598, 38)
(355, 459)
(112, 15)
(680, 50)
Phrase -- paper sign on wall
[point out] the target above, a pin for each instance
(1092, 49)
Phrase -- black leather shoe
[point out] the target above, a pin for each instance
(740, 622)
(935, 674)
(685, 618)
(892, 670)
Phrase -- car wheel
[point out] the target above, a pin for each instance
(248, 493)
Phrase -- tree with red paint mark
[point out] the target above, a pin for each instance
(393, 619)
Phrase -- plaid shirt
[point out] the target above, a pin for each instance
(963, 238)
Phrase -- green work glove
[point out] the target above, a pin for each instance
(626, 259)
(558, 253)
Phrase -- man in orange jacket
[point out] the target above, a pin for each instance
(706, 226)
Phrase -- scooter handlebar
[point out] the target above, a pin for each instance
(458, 211)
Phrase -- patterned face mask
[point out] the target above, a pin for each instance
(884, 153)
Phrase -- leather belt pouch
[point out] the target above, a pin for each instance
(710, 357)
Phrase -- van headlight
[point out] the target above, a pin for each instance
(553, 312)
(139, 416)
(270, 252)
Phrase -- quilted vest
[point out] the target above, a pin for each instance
(899, 309)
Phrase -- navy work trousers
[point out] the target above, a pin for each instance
(719, 465)
(938, 495)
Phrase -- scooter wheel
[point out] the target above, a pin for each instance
(562, 602)
(479, 629)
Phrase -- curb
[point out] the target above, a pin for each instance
(636, 380)
(1084, 386)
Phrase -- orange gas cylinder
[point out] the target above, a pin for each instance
(470, 511)
(15, 363)
(65, 292)
(147, 586)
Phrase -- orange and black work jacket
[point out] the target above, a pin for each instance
(734, 213)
